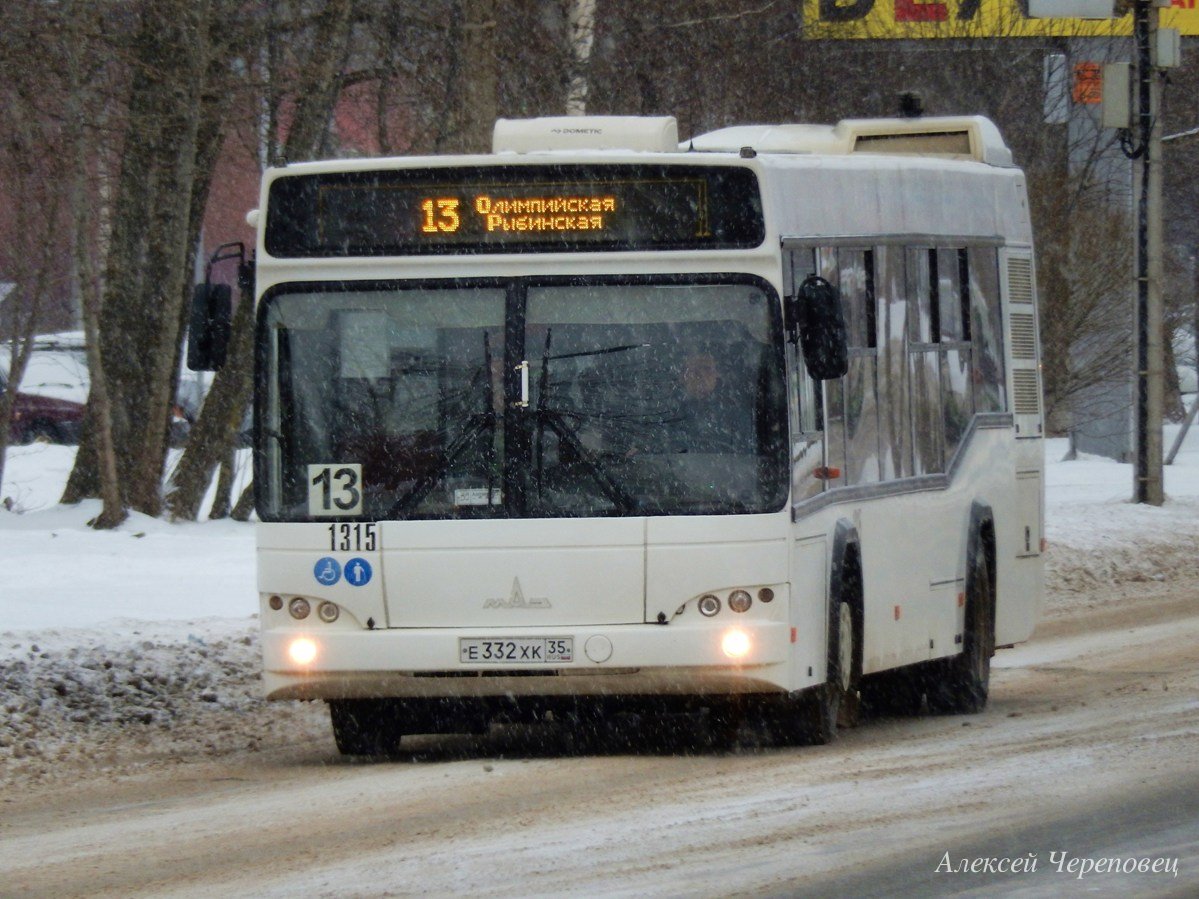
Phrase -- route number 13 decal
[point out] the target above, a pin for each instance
(334, 490)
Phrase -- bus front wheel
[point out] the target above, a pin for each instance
(811, 717)
(365, 726)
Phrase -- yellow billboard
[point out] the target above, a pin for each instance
(894, 19)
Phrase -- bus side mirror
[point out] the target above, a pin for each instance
(815, 315)
(209, 327)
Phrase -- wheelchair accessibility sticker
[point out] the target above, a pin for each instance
(327, 571)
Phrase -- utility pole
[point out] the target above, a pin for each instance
(1142, 139)
(1150, 383)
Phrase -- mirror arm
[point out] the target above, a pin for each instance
(211, 310)
(791, 316)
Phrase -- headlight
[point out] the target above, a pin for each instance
(302, 651)
(735, 644)
(299, 608)
(709, 605)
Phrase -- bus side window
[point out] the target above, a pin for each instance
(804, 389)
(807, 441)
(835, 451)
(986, 329)
(957, 393)
(862, 449)
(807, 444)
(924, 363)
(895, 429)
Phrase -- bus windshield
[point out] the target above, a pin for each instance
(521, 399)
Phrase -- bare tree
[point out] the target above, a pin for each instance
(435, 78)
(34, 166)
(147, 256)
(311, 92)
(181, 56)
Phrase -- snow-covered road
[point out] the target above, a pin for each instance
(1087, 724)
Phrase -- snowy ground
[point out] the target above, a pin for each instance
(145, 636)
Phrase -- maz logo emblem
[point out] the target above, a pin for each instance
(516, 600)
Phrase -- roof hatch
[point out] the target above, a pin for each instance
(638, 133)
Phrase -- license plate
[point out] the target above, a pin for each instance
(516, 650)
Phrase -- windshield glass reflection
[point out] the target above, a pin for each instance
(580, 400)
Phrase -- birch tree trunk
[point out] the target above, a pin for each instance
(581, 23)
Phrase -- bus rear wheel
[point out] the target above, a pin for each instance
(365, 726)
(898, 692)
(959, 685)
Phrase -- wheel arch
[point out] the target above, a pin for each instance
(846, 562)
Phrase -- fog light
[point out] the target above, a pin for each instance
(735, 644)
(299, 608)
(302, 651)
(709, 605)
(328, 612)
(740, 601)
(766, 594)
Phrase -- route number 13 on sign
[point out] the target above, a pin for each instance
(334, 490)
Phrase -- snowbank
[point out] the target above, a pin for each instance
(1097, 536)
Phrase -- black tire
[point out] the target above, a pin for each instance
(811, 718)
(365, 726)
(43, 430)
(959, 685)
(22, 434)
(898, 693)
(816, 716)
(849, 661)
(722, 726)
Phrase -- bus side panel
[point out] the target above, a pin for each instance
(1020, 579)
(911, 552)
(914, 553)
(1019, 600)
(809, 610)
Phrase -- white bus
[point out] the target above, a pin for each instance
(750, 424)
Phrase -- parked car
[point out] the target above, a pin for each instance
(49, 404)
(36, 417)
(54, 391)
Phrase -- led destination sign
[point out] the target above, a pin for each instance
(514, 209)
(554, 214)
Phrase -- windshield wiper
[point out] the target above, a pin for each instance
(621, 348)
(480, 424)
(556, 422)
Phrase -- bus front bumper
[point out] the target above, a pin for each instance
(627, 660)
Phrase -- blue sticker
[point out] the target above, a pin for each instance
(358, 572)
(327, 571)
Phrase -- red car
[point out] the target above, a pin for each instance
(41, 417)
